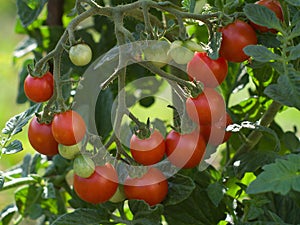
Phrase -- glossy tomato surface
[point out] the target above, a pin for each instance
(216, 134)
(235, 37)
(39, 89)
(148, 151)
(185, 150)
(274, 6)
(68, 128)
(206, 70)
(207, 108)
(99, 187)
(152, 187)
(41, 138)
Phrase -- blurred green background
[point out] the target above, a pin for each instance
(9, 84)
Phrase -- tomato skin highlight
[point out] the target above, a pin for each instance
(274, 6)
(39, 89)
(206, 70)
(152, 187)
(148, 151)
(68, 128)
(99, 187)
(185, 150)
(41, 138)
(216, 134)
(207, 108)
(235, 37)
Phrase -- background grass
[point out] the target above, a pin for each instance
(9, 84)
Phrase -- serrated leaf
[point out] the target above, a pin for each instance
(215, 193)
(273, 134)
(260, 53)
(15, 124)
(214, 45)
(287, 89)
(7, 214)
(295, 52)
(293, 2)
(295, 31)
(28, 11)
(2, 180)
(263, 16)
(82, 216)
(26, 46)
(180, 188)
(12, 148)
(279, 177)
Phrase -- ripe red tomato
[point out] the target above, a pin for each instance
(216, 134)
(148, 151)
(99, 187)
(273, 5)
(207, 108)
(206, 70)
(185, 150)
(68, 128)
(39, 89)
(41, 138)
(152, 187)
(235, 37)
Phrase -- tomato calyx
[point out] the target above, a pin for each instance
(143, 130)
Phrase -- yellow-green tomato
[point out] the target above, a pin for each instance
(179, 53)
(83, 166)
(119, 195)
(157, 53)
(80, 54)
(69, 152)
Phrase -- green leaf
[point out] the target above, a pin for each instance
(180, 188)
(25, 47)
(188, 5)
(260, 53)
(82, 216)
(295, 31)
(263, 16)
(214, 45)
(215, 193)
(143, 214)
(7, 214)
(279, 177)
(2, 180)
(293, 2)
(287, 89)
(291, 141)
(295, 52)
(12, 148)
(16, 123)
(29, 10)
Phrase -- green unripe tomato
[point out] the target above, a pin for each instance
(157, 53)
(119, 195)
(83, 166)
(179, 53)
(69, 152)
(80, 54)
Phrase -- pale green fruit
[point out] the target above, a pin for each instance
(80, 54)
(83, 166)
(69, 152)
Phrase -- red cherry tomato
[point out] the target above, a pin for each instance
(185, 150)
(68, 128)
(274, 6)
(206, 70)
(207, 108)
(235, 37)
(39, 89)
(148, 151)
(41, 138)
(216, 134)
(99, 187)
(152, 187)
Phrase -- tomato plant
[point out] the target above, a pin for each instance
(207, 108)
(152, 187)
(41, 138)
(185, 150)
(68, 128)
(39, 89)
(235, 37)
(206, 70)
(149, 150)
(99, 187)
(117, 63)
(274, 6)
(80, 54)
